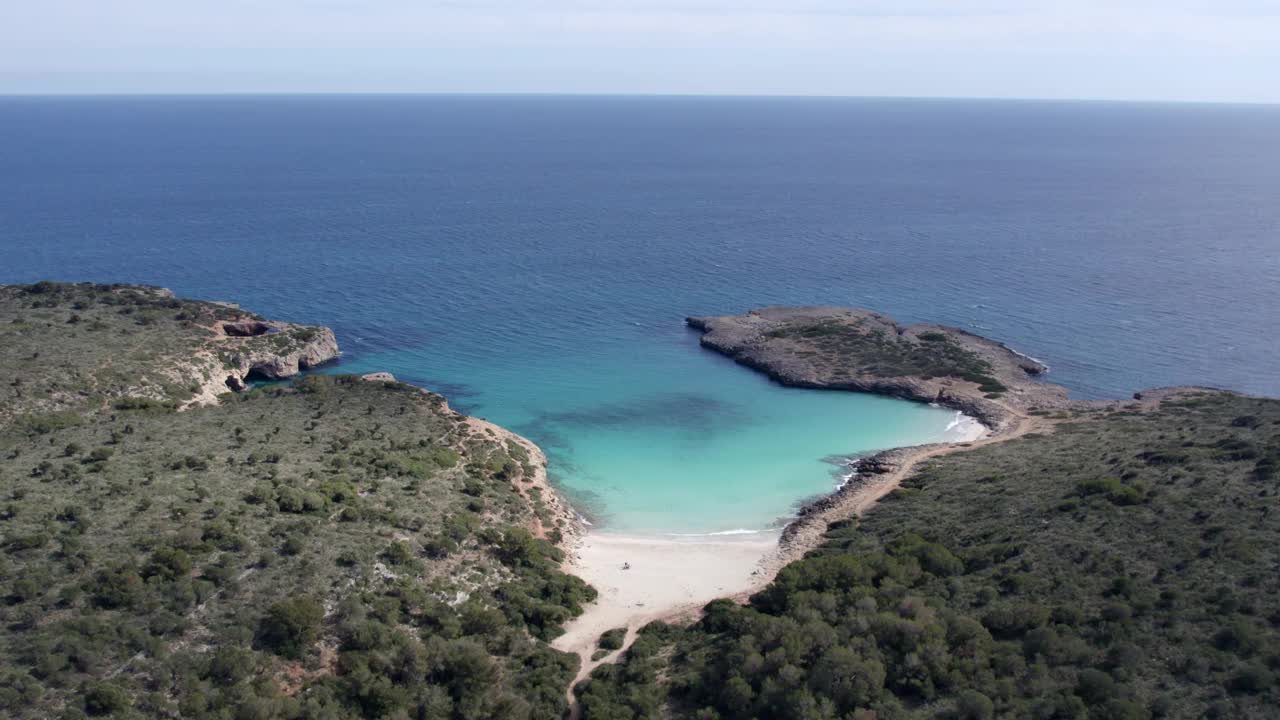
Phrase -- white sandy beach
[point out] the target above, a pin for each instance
(667, 574)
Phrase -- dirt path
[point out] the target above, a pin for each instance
(588, 666)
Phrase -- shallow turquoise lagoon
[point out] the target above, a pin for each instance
(671, 438)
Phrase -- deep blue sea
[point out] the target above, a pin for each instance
(533, 257)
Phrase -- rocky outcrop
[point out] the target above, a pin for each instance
(861, 351)
(245, 350)
(302, 351)
(379, 377)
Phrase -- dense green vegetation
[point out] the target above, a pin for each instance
(859, 349)
(1122, 567)
(329, 549)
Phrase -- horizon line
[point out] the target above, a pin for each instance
(637, 95)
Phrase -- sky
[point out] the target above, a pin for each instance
(1176, 50)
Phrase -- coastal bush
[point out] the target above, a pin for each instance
(1110, 488)
(612, 639)
(291, 626)
(102, 698)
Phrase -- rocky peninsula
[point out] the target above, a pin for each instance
(865, 351)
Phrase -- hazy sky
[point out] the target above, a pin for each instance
(1224, 50)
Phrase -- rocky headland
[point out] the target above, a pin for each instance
(75, 346)
(864, 351)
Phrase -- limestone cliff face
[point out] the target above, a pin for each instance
(248, 349)
(245, 350)
(305, 349)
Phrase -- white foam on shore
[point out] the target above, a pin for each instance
(1032, 358)
(963, 428)
(847, 477)
(738, 531)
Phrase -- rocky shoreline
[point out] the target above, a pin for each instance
(856, 350)
(861, 471)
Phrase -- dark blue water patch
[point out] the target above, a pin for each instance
(461, 396)
(686, 412)
(551, 440)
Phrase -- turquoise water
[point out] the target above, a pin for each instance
(671, 438)
(532, 258)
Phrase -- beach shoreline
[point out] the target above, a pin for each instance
(642, 578)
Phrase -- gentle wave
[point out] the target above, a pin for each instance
(739, 531)
(1032, 358)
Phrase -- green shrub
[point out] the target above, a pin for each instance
(168, 563)
(1112, 489)
(118, 587)
(45, 424)
(291, 626)
(101, 698)
(398, 553)
(612, 639)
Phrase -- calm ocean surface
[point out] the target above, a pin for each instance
(533, 258)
